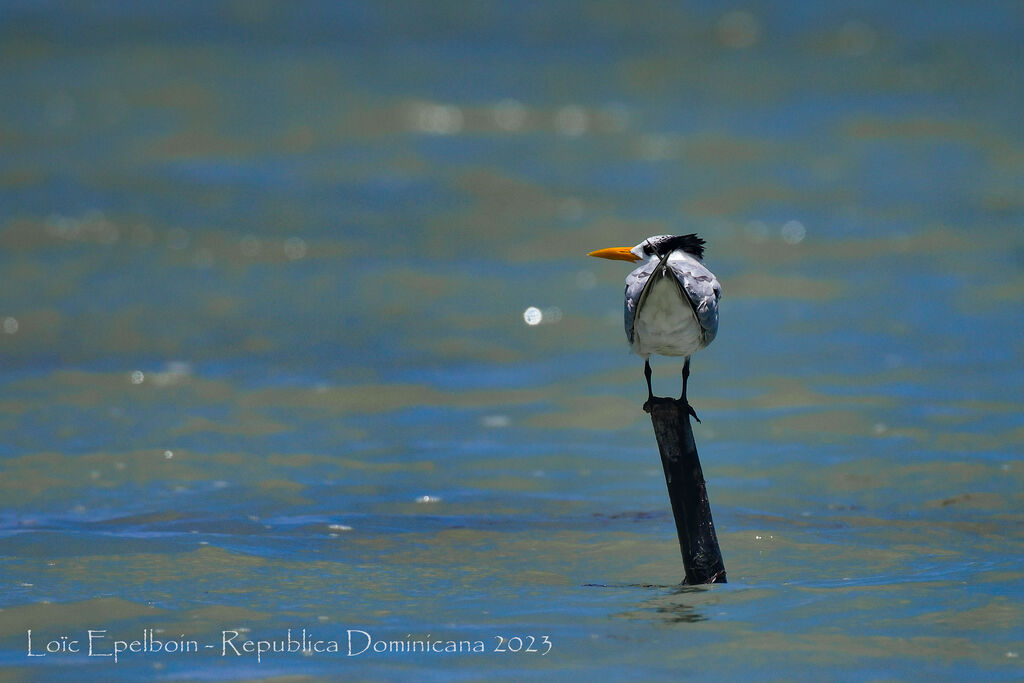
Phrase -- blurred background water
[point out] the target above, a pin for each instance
(264, 362)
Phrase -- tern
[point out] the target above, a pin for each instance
(672, 298)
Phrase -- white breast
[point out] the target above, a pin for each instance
(665, 323)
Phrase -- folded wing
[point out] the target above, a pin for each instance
(699, 284)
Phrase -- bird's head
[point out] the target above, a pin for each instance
(658, 246)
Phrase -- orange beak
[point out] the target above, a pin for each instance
(615, 253)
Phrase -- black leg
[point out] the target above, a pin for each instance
(647, 374)
(682, 399)
(686, 376)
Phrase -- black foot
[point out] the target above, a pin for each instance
(664, 400)
(684, 403)
(652, 400)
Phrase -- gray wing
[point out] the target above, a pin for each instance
(636, 285)
(701, 288)
(699, 284)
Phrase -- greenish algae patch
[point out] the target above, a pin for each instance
(95, 613)
(765, 285)
(589, 412)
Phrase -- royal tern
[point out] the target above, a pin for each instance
(671, 300)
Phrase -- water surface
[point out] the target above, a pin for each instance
(264, 365)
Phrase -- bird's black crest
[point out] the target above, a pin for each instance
(664, 244)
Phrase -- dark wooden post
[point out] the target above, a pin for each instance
(702, 558)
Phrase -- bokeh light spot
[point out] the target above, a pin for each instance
(793, 232)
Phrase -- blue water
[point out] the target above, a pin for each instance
(264, 365)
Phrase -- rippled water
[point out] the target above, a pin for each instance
(264, 362)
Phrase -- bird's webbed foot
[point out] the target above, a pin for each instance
(664, 400)
(689, 409)
(680, 402)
